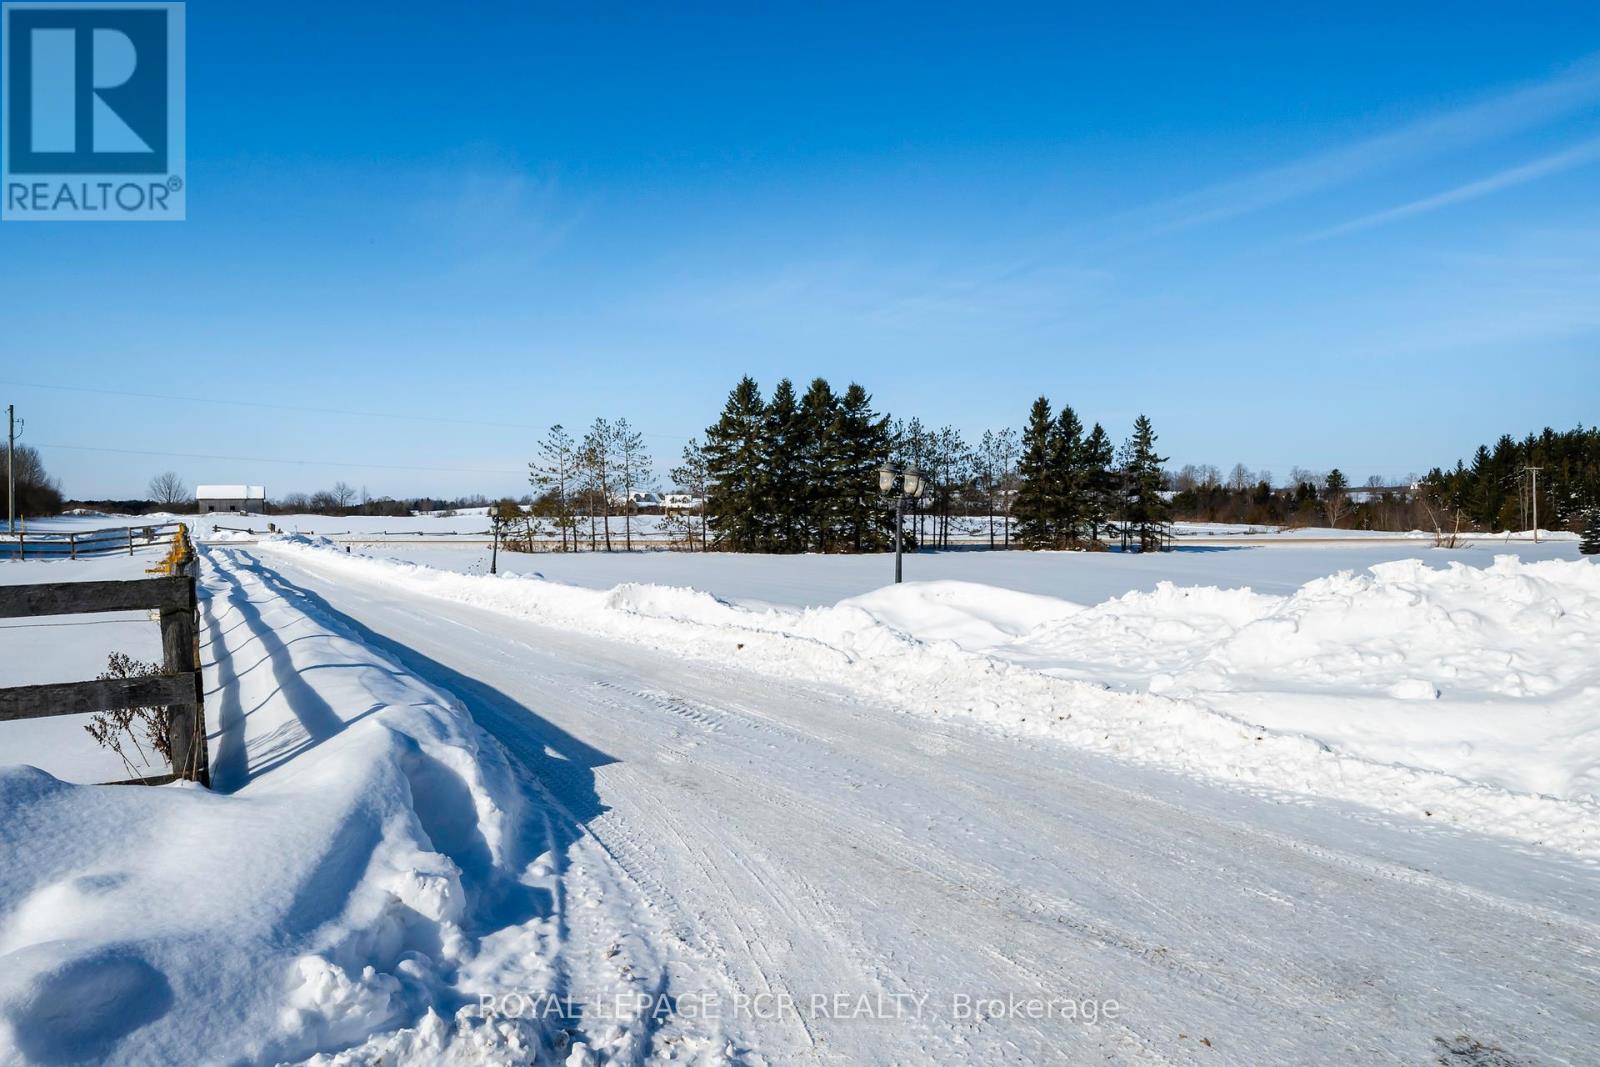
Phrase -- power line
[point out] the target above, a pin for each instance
(263, 405)
(289, 462)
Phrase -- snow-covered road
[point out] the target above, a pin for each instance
(783, 838)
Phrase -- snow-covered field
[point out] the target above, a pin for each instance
(1298, 803)
(1080, 577)
(471, 525)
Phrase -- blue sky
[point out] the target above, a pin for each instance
(1365, 237)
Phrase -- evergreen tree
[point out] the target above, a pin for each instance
(555, 475)
(1490, 472)
(1335, 496)
(948, 470)
(1100, 483)
(598, 462)
(821, 466)
(787, 495)
(1146, 508)
(1006, 452)
(986, 466)
(633, 472)
(1034, 507)
(736, 505)
(691, 477)
(1589, 544)
(912, 449)
(863, 447)
(1066, 478)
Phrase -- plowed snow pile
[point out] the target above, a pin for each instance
(1468, 696)
(1488, 673)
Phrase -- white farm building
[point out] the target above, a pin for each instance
(234, 499)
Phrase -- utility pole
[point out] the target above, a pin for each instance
(1535, 472)
(495, 522)
(11, 467)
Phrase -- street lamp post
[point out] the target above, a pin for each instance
(903, 482)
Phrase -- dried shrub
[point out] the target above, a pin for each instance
(145, 729)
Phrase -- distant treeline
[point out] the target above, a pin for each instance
(37, 492)
(798, 472)
(1495, 493)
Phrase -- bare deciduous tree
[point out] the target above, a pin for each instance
(168, 490)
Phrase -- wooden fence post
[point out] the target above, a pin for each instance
(72, 542)
(185, 722)
(130, 540)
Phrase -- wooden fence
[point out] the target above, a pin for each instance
(178, 687)
(80, 544)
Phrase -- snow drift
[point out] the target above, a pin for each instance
(1468, 696)
(365, 859)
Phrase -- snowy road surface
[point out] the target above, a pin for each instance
(789, 840)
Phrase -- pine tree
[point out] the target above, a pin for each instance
(691, 477)
(1147, 509)
(1006, 452)
(787, 495)
(633, 472)
(1066, 478)
(736, 506)
(986, 465)
(821, 466)
(1034, 507)
(913, 448)
(1335, 495)
(1100, 483)
(863, 447)
(949, 465)
(598, 462)
(1589, 543)
(555, 475)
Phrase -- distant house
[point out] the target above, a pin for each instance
(234, 499)
(680, 503)
(641, 502)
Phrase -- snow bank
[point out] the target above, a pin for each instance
(1465, 696)
(363, 843)
(1484, 673)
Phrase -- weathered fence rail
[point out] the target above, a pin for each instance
(178, 688)
(82, 543)
(105, 694)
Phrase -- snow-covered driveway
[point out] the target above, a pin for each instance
(784, 838)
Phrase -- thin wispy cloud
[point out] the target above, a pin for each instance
(492, 217)
(1577, 155)
(1525, 108)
